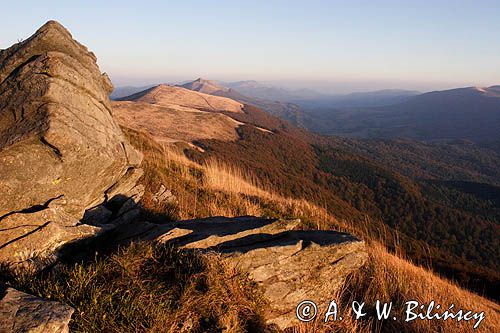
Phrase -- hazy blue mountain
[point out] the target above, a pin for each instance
(458, 114)
(360, 99)
(263, 91)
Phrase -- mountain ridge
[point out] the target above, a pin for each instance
(204, 86)
(164, 94)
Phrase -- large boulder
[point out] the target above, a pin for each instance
(291, 265)
(20, 313)
(62, 155)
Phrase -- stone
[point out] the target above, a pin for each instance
(290, 265)
(163, 195)
(97, 215)
(20, 312)
(61, 151)
(34, 238)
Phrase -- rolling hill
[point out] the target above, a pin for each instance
(284, 110)
(124, 91)
(175, 115)
(204, 86)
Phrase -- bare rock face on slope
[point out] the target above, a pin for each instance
(62, 154)
(20, 312)
(290, 265)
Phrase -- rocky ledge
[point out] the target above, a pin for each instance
(290, 265)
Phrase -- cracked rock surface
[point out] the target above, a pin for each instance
(61, 152)
(290, 265)
(20, 312)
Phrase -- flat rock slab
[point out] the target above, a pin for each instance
(20, 312)
(291, 265)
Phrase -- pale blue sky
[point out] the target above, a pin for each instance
(349, 45)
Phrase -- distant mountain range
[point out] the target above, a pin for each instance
(281, 109)
(262, 91)
(459, 114)
(308, 98)
(360, 99)
(204, 86)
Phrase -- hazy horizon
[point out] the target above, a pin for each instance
(329, 46)
(325, 87)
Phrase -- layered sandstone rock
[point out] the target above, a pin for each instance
(20, 312)
(290, 265)
(62, 154)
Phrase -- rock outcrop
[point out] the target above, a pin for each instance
(20, 312)
(62, 155)
(290, 265)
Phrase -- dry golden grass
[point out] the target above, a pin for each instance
(223, 177)
(227, 178)
(187, 180)
(147, 287)
(242, 309)
(169, 124)
(389, 278)
(167, 95)
(220, 189)
(398, 278)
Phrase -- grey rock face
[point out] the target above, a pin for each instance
(23, 313)
(61, 152)
(290, 265)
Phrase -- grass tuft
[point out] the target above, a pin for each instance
(146, 287)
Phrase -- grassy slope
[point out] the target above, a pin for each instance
(144, 288)
(219, 189)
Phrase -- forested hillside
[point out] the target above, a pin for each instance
(411, 190)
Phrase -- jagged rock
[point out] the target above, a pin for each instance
(163, 195)
(59, 146)
(20, 312)
(290, 265)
